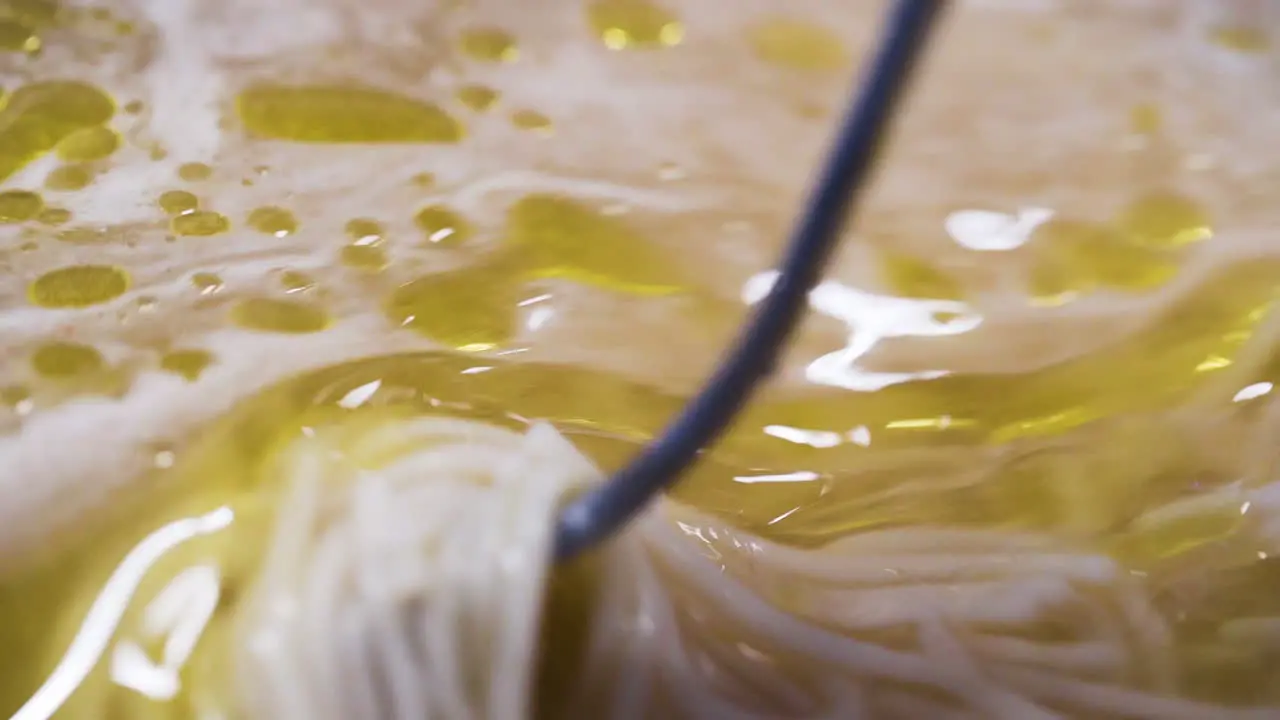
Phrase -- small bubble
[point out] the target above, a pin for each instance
(163, 459)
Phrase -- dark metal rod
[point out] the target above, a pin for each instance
(602, 510)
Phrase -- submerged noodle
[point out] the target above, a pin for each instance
(408, 574)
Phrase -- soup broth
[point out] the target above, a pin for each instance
(223, 236)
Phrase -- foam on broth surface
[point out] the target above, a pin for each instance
(1054, 315)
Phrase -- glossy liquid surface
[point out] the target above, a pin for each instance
(916, 396)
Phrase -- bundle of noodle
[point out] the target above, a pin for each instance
(408, 578)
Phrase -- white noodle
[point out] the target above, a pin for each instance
(413, 587)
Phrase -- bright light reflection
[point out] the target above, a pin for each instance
(1253, 391)
(800, 436)
(179, 614)
(360, 395)
(107, 610)
(871, 318)
(800, 476)
(990, 231)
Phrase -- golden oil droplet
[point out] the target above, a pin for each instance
(177, 202)
(1073, 258)
(1145, 119)
(1241, 39)
(133, 107)
(88, 144)
(273, 220)
(17, 36)
(19, 205)
(37, 117)
(364, 231)
(531, 120)
(797, 45)
(489, 44)
(477, 97)
(63, 360)
(206, 283)
(368, 258)
(54, 216)
(78, 286)
(334, 114)
(423, 180)
(623, 24)
(69, 178)
(913, 278)
(16, 397)
(558, 237)
(187, 363)
(1164, 220)
(194, 172)
(442, 226)
(199, 223)
(296, 282)
(1051, 285)
(35, 12)
(281, 316)
(472, 309)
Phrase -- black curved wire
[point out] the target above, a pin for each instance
(596, 514)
